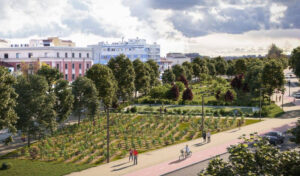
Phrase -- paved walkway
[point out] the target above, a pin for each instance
(165, 160)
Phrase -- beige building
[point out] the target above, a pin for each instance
(51, 41)
(4, 44)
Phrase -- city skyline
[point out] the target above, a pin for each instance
(210, 28)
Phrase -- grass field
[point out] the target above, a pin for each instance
(76, 148)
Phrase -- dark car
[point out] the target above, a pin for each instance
(274, 137)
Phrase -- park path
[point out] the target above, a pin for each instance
(164, 160)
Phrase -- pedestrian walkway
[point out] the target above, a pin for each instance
(164, 160)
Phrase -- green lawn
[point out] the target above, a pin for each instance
(35, 168)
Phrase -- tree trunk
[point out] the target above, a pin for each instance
(28, 139)
(107, 110)
(79, 119)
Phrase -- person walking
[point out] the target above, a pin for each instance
(130, 155)
(208, 136)
(135, 155)
(204, 136)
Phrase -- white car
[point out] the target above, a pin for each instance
(297, 95)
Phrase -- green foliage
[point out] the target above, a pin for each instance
(296, 133)
(85, 97)
(142, 76)
(160, 92)
(272, 76)
(51, 74)
(240, 66)
(178, 71)
(274, 52)
(154, 72)
(124, 74)
(105, 83)
(168, 77)
(180, 86)
(6, 166)
(8, 96)
(261, 159)
(294, 61)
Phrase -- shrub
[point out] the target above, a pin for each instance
(133, 109)
(6, 166)
(33, 152)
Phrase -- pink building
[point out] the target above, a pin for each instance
(70, 61)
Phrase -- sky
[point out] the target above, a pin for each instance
(208, 27)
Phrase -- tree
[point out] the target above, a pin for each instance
(260, 158)
(237, 82)
(184, 81)
(105, 83)
(296, 133)
(211, 69)
(159, 92)
(199, 67)
(64, 100)
(61, 89)
(123, 71)
(272, 77)
(253, 78)
(229, 96)
(35, 106)
(274, 52)
(8, 96)
(154, 72)
(221, 65)
(178, 71)
(51, 75)
(180, 86)
(85, 97)
(294, 61)
(188, 68)
(240, 66)
(187, 94)
(168, 77)
(142, 77)
(173, 93)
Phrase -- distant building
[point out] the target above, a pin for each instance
(51, 41)
(163, 64)
(177, 58)
(70, 61)
(133, 49)
(192, 55)
(3, 44)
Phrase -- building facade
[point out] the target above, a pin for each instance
(177, 58)
(70, 61)
(3, 43)
(51, 41)
(133, 49)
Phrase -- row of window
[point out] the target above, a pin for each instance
(6, 56)
(127, 49)
(73, 76)
(73, 66)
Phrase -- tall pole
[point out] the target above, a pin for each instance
(282, 101)
(107, 135)
(202, 123)
(260, 104)
(289, 87)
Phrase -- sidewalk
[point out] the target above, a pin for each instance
(164, 160)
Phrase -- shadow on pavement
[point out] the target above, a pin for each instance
(233, 131)
(122, 168)
(177, 161)
(199, 144)
(289, 104)
(120, 164)
(290, 114)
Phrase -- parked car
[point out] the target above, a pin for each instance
(297, 95)
(274, 137)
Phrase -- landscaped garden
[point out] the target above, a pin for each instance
(85, 145)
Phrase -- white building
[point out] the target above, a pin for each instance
(3, 44)
(177, 58)
(164, 64)
(133, 49)
(70, 61)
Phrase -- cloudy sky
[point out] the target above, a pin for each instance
(210, 27)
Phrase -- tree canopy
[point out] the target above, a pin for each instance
(168, 77)
(142, 77)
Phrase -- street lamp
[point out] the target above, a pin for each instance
(204, 94)
(260, 102)
(289, 87)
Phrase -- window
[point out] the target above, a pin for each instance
(73, 76)
(57, 54)
(6, 55)
(79, 66)
(17, 55)
(87, 55)
(29, 55)
(79, 55)
(46, 54)
(73, 66)
(73, 55)
(66, 66)
(57, 66)
(79, 74)
(18, 66)
(66, 76)
(87, 66)
(66, 55)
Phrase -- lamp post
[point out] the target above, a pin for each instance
(202, 122)
(260, 102)
(289, 87)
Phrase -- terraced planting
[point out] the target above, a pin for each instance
(86, 144)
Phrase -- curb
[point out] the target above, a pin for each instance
(194, 164)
